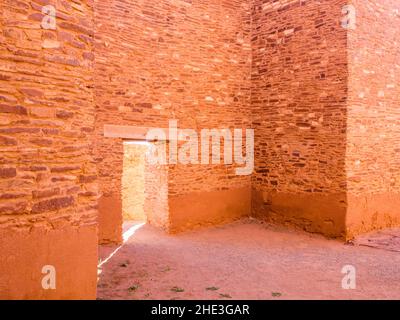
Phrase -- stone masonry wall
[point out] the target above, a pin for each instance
(133, 182)
(163, 60)
(298, 99)
(48, 194)
(156, 206)
(323, 101)
(373, 125)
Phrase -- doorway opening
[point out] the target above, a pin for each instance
(133, 191)
(143, 200)
(144, 186)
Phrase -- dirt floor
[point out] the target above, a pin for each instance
(247, 260)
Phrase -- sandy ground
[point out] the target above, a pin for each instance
(247, 260)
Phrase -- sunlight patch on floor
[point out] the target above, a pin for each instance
(125, 236)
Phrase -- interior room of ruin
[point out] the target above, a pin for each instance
(77, 99)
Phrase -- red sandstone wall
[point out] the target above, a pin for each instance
(47, 177)
(161, 60)
(325, 114)
(299, 91)
(373, 134)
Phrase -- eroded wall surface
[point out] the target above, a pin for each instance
(298, 99)
(163, 60)
(48, 193)
(373, 133)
